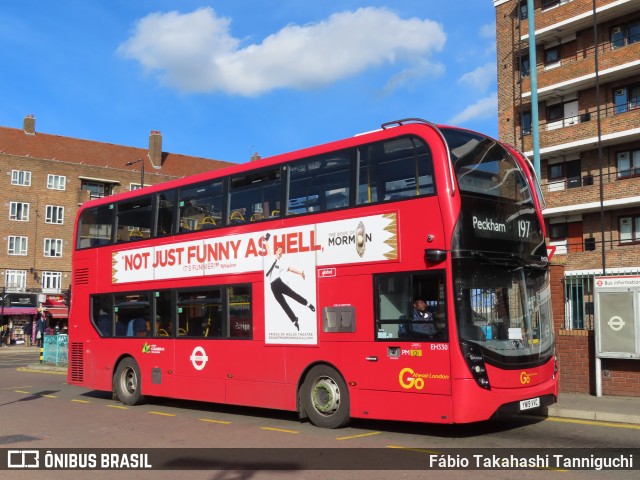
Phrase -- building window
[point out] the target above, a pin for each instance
(574, 304)
(565, 174)
(525, 66)
(19, 211)
(17, 245)
(54, 214)
(628, 163)
(21, 177)
(558, 231)
(555, 112)
(552, 57)
(56, 182)
(15, 280)
(526, 123)
(523, 13)
(630, 229)
(627, 98)
(52, 281)
(623, 35)
(52, 247)
(96, 189)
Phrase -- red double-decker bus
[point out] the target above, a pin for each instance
(401, 274)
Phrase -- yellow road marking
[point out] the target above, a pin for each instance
(80, 401)
(281, 430)
(214, 421)
(22, 391)
(597, 423)
(118, 406)
(163, 414)
(16, 386)
(49, 396)
(358, 436)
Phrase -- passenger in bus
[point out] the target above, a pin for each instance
(137, 327)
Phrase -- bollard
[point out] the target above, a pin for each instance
(41, 351)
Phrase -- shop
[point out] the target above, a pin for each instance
(17, 309)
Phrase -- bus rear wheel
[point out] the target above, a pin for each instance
(325, 397)
(126, 382)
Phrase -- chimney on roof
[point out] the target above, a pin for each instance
(155, 148)
(255, 156)
(29, 125)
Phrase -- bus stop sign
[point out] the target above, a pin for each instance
(617, 317)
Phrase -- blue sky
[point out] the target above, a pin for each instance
(223, 79)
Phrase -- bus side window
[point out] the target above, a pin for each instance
(102, 314)
(94, 227)
(165, 223)
(239, 316)
(395, 296)
(320, 183)
(395, 169)
(199, 313)
(254, 196)
(134, 219)
(164, 313)
(200, 206)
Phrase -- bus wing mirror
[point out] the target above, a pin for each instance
(433, 255)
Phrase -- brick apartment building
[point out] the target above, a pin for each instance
(588, 85)
(47, 178)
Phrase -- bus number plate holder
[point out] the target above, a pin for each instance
(529, 404)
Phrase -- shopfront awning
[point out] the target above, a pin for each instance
(58, 312)
(19, 311)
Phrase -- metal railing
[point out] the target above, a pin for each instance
(56, 349)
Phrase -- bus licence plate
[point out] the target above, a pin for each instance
(531, 403)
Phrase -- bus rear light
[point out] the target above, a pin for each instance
(475, 361)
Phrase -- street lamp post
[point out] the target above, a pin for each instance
(141, 170)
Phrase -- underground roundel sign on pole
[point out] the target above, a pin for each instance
(616, 318)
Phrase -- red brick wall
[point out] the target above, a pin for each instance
(575, 349)
(620, 377)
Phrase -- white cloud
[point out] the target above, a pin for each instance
(481, 78)
(484, 108)
(488, 30)
(195, 52)
(407, 76)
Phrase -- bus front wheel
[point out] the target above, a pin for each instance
(325, 397)
(126, 382)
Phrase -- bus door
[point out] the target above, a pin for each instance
(411, 348)
(199, 366)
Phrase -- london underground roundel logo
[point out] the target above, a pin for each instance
(199, 358)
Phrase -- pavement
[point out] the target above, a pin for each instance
(579, 406)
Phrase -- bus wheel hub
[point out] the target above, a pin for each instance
(326, 396)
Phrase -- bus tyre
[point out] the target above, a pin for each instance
(325, 397)
(126, 382)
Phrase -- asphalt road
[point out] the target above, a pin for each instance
(40, 411)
